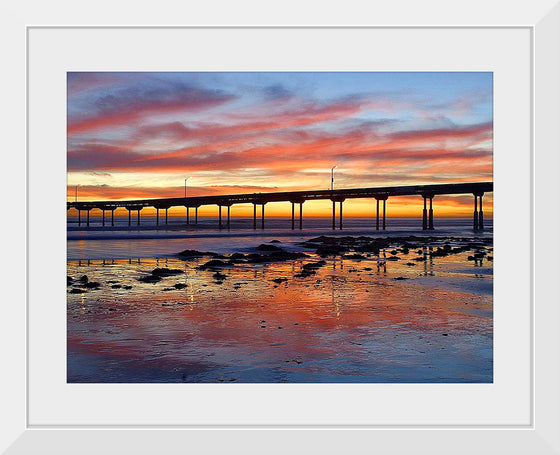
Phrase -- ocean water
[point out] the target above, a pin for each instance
(150, 241)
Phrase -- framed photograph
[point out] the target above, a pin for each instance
(316, 235)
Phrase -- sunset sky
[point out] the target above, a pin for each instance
(138, 135)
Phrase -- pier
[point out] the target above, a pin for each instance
(380, 195)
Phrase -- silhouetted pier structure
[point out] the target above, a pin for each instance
(380, 194)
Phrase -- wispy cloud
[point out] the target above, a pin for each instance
(127, 106)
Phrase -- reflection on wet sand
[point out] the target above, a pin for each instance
(347, 320)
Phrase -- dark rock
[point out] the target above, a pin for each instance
(440, 252)
(92, 285)
(150, 279)
(191, 254)
(313, 265)
(219, 276)
(305, 273)
(275, 241)
(400, 278)
(331, 250)
(257, 258)
(394, 252)
(286, 255)
(393, 258)
(357, 257)
(83, 279)
(276, 256)
(116, 286)
(69, 280)
(410, 264)
(179, 286)
(310, 269)
(162, 272)
(215, 263)
(280, 280)
(77, 291)
(237, 257)
(321, 239)
(167, 289)
(127, 287)
(311, 245)
(372, 247)
(265, 247)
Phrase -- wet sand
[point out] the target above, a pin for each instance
(396, 314)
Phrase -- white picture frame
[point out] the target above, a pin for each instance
(539, 436)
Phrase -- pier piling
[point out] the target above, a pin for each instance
(254, 215)
(333, 214)
(424, 215)
(431, 216)
(480, 216)
(475, 214)
(384, 207)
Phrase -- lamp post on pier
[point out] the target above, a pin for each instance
(332, 177)
(76, 195)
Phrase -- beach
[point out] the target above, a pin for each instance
(278, 306)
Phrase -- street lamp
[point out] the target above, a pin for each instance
(76, 196)
(186, 186)
(332, 177)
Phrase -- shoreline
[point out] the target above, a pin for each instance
(162, 246)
